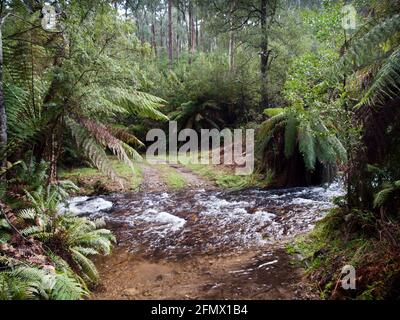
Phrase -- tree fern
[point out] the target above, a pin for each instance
(137, 103)
(268, 128)
(106, 139)
(310, 137)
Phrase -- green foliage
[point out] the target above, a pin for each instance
(290, 135)
(79, 97)
(206, 94)
(75, 237)
(386, 194)
(56, 264)
(304, 131)
(32, 283)
(335, 242)
(377, 49)
(272, 112)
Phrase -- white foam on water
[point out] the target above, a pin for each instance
(169, 222)
(85, 206)
(218, 220)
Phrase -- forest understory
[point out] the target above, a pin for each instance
(94, 93)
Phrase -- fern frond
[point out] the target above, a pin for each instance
(104, 137)
(87, 266)
(386, 83)
(268, 127)
(382, 196)
(123, 135)
(67, 288)
(137, 103)
(91, 148)
(366, 50)
(290, 135)
(27, 214)
(307, 146)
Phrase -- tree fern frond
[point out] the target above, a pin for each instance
(382, 196)
(267, 129)
(366, 49)
(386, 83)
(138, 103)
(290, 135)
(91, 148)
(105, 138)
(123, 135)
(307, 146)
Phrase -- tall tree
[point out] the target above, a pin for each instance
(232, 39)
(264, 53)
(191, 32)
(170, 35)
(254, 18)
(3, 115)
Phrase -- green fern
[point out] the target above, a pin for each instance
(312, 138)
(290, 135)
(373, 49)
(367, 50)
(67, 288)
(33, 283)
(386, 83)
(307, 146)
(79, 238)
(385, 194)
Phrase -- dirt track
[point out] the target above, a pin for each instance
(249, 274)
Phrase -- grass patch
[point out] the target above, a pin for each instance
(92, 182)
(172, 178)
(224, 177)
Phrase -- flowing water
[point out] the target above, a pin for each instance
(185, 223)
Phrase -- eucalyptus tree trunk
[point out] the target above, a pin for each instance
(231, 39)
(190, 32)
(153, 37)
(231, 51)
(197, 32)
(178, 38)
(264, 55)
(3, 115)
(170, 35)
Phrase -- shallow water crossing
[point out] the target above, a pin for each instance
(183, 223)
